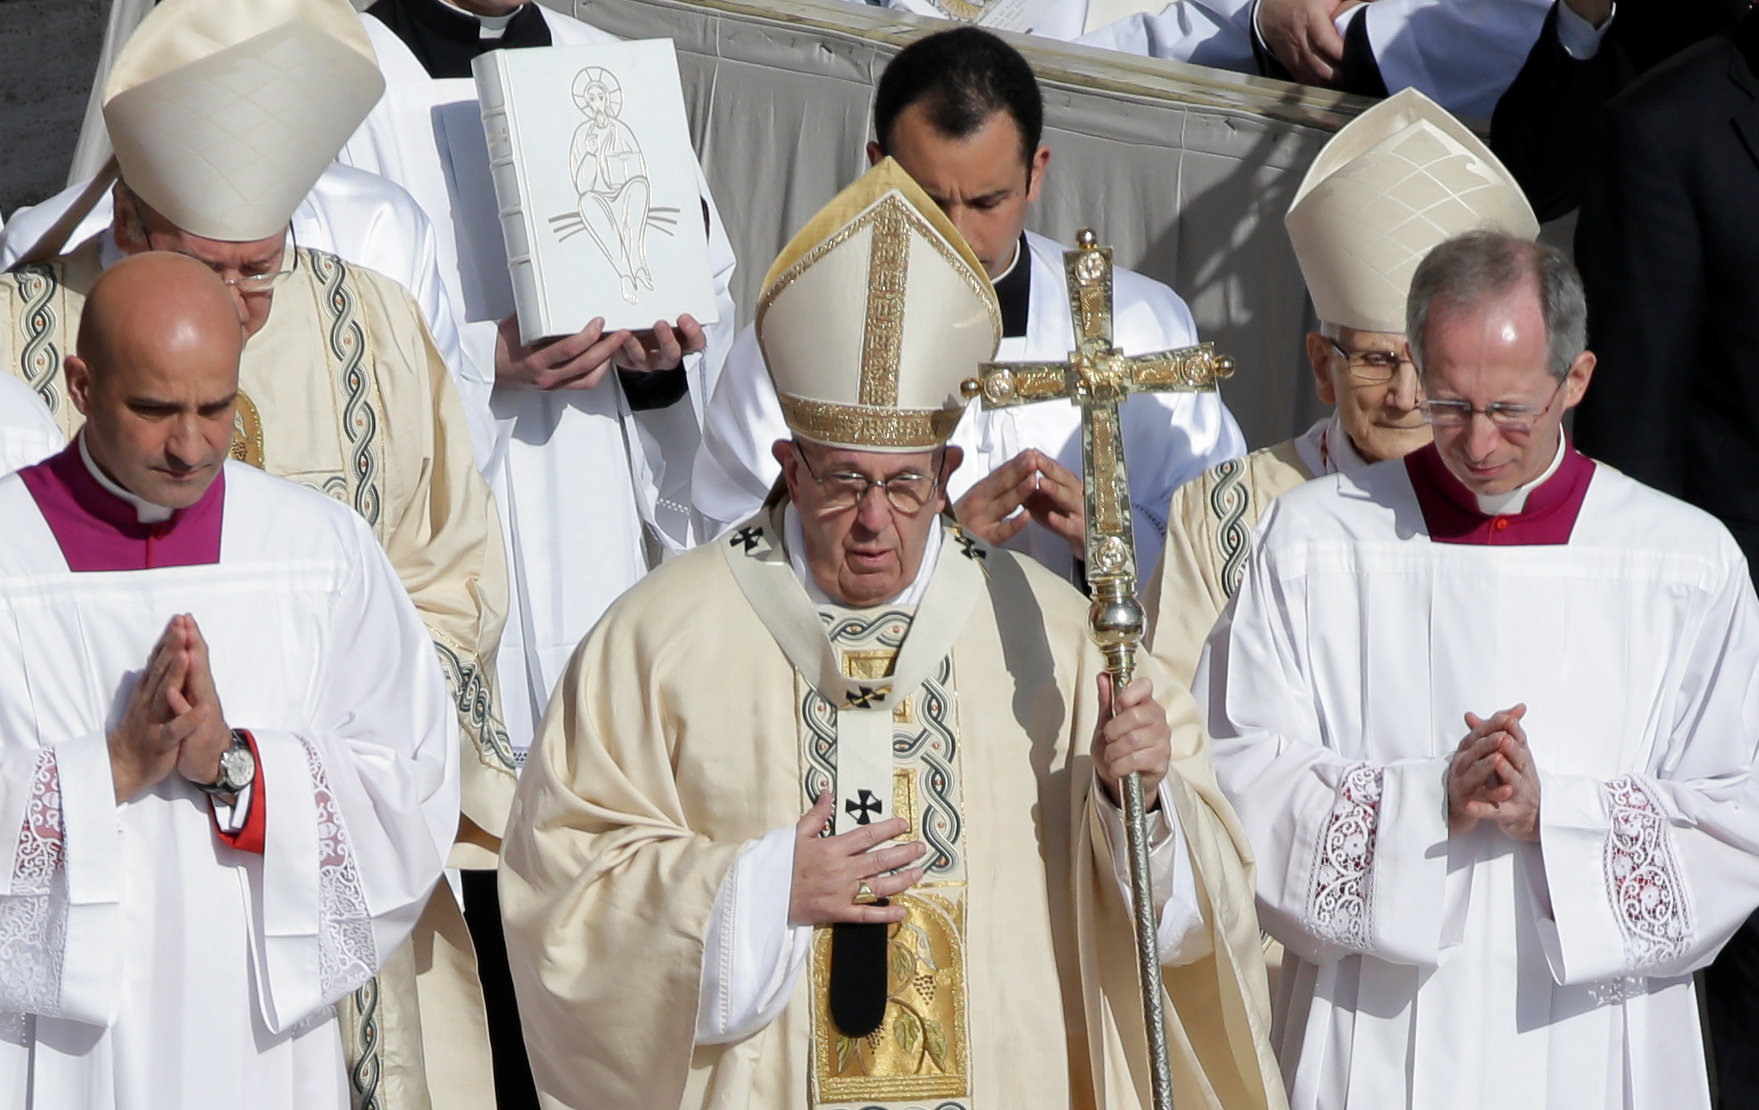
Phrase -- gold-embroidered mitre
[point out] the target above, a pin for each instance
(224, 112)
(1391, 186)
(873, 315)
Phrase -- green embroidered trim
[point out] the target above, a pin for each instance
(368, 1064)
(474, 700)
(41, 360)
(1233, 539)
(360, 421)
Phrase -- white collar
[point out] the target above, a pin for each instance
(1326, 448)
(493, 26)
(1515, 500)
(145, 511)
(794, 539)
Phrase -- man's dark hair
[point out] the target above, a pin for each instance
(961, 78)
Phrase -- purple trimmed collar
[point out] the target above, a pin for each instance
(99, 531)
(1451, 513)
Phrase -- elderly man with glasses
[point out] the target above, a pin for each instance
(1395, 182)
(823, 812)
(1489, 713)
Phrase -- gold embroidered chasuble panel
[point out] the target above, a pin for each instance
(379, 428)
(920, 1054)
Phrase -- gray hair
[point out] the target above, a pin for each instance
(1469, 269)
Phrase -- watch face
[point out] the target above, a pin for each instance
(237, 768)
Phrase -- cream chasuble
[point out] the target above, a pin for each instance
(689, 725)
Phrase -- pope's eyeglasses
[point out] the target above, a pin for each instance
(907, 492)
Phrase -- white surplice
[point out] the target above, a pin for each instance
(581, 481)
(28, 434)
(1471, 971)
(357, 216)
(1169, 438)
(143, 963)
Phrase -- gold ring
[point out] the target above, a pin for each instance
(864, 895)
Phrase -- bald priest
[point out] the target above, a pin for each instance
(228, 767)
(849, 662)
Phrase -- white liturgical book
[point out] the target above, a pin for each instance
(596, 182)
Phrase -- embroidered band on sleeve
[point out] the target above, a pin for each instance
(1643, 878)
(1340, 903)
(347, 950)
(33, 917)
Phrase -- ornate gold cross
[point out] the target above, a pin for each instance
(1098, 377)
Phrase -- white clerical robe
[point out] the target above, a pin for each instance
(357, 216)
(582, 482)
(28, 433)
(144, 964)
(685, 734)
(1169, 438)
(1437, 971)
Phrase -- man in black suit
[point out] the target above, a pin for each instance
(1543, 125)
(1668, 246)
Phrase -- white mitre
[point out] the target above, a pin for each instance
(1395, 183)
(873, 316)
(224, 112)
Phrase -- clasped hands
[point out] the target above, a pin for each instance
(841, 878)
(1049, 492)
(1492, 777)
(173, 720)
(582, 360)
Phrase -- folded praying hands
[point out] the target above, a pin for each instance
(173, 720)
(1492, 777)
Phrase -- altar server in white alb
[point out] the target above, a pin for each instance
(1489, 714)
(961, 112)
(228, 767)
(1396, 182)
(595, 433)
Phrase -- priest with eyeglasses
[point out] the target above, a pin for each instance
(824, 812)
(1488, 713)
(1396, 181)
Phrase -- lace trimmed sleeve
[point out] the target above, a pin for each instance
(1340, 899)
(33, 916)
(1643, 878)
(347, 950)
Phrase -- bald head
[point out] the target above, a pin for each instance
(154, 305)
(156, 375)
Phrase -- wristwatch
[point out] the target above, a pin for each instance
(238, 768)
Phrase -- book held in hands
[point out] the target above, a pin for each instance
(596, 181)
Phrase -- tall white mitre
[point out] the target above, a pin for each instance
(1387, 189)
(224, 112)
(873, 315)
